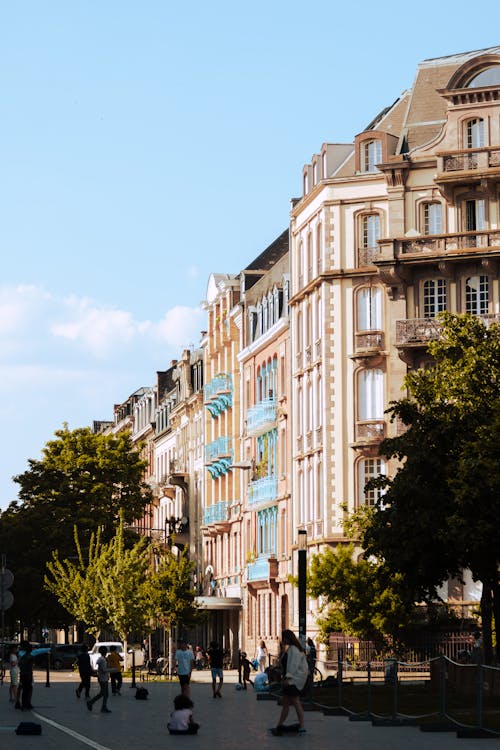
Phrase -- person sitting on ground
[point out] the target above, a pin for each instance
(261, 682)
(181, 718)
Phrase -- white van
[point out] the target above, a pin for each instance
(94, 653)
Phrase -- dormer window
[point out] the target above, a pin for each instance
(371, 154)
(488, 77)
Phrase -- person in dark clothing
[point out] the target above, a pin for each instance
(246, 668)
(85, 671)
(26, 675)
(311, 654)
(216, 659)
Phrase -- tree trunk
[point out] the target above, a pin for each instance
(486, 618)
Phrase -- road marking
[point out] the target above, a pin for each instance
(71, 733)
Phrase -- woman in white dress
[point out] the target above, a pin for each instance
(261, 656)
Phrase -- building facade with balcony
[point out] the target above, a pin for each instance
(390, 231)
(220, 512)
(264, 359)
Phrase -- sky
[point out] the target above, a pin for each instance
(146, 145)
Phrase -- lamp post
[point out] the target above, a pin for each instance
(302, 568)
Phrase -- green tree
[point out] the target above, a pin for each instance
(362, 597)
(172, 593)
(439, 514)
(82, 478)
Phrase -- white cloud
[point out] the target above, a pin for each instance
(181, 326)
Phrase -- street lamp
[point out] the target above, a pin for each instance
(302, 569)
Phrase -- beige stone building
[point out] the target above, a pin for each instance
(392, 229)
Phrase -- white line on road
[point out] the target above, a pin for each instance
(71, 733)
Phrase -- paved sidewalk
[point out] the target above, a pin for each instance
(236, 720)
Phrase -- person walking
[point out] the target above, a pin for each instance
(115, 663)
(311, 654)
(103, 671)
(261, 657)
(85, 671)
(216, 659)
(14, 675)
(185, 660)
(26, 675)
(295, 670)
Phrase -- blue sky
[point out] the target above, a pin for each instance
(146, 145)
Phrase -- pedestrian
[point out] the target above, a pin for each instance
(14, 674)
(246, 666)
(85, 671)
(261, 657)
(198, 658)
(311, 654)
(216, 659)
(295, 671)
(115, 663)
(181, 718)
(26, 675)
(185, 659)
(103, 671)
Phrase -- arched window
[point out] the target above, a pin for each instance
(488, 77)
(369, 234)
(371, 395)
(369, 309)
(371, 154)
(369, 468)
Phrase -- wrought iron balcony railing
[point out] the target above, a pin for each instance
(223, 446)
(217, 512)
(419, 331)
(262, 569)
(262, 416)
(367, 256)
(262, 491)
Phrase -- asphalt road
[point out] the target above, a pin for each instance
(238, 720)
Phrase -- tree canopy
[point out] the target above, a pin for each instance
(82, 478)
(439, 513)
(112, 587)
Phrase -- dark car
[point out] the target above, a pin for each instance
(62, 656)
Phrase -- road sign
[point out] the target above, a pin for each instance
(6, 600)
(6, 596)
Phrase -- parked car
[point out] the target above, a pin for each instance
(62, 655)
(94, 653)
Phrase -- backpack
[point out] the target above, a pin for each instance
(29, 727)
(141, 694)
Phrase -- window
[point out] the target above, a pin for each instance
(476, 295)
(369, 468)
(433, 223)
(371, 395)
(371, 155)
(475, 215)
(370, 309)
(434, 297)
(319, 248)
(488, 77)
(474, 133)
(370, 233)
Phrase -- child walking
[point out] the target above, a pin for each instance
(181, 718)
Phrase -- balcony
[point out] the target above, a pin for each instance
(369, 347)
(369, 432)
(219, 394)
(263, 570)
(217, 518)
(418, 332)
(468, 166)
(262, 491)
(420, 249)
(262, 417)
(216, 513)
(219, 448)
(367, 256)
